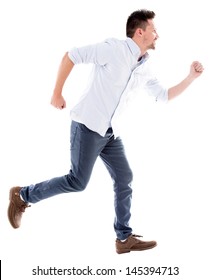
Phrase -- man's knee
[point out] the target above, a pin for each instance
(77, 184)
(127, 177)
(123, 180)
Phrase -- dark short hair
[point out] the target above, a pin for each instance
(138, 19)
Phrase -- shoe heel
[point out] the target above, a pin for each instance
(123, 251)
(10, 194)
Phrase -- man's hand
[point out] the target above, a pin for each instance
(196, 69)
(58, 101)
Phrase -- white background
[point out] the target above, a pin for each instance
(167, 145)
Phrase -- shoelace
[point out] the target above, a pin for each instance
(136, 235)
(23, 207)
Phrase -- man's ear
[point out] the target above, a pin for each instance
(139, 32)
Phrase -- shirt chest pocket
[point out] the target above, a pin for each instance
(138, 80)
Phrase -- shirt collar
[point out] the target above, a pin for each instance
(135, 50)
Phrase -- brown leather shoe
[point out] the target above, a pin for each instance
(132, 243)
(16, 207)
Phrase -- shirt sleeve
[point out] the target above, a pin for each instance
(97, 54)
(155, 89)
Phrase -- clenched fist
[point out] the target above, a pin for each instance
(58, 101)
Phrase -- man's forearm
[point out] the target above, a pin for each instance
(179, 88)
(196, 69)
(64, 70)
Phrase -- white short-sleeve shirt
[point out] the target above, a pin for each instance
(116, 72)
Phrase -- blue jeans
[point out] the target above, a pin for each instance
(86, 146)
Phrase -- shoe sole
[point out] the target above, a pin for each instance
(9, 210)
(134, 250)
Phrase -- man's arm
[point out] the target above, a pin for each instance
(196, 70)
(65, 68)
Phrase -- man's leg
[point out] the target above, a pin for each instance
(86, 145)
(114, 158)
(84, 151)
(113, 155)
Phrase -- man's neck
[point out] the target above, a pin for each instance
(143, 50)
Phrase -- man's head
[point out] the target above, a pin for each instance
(140, 27)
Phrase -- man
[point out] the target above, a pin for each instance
(119, 67)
